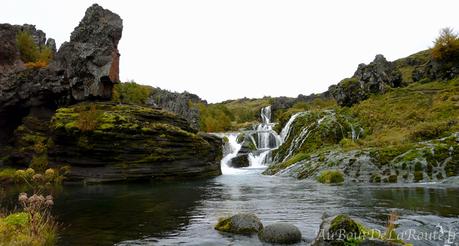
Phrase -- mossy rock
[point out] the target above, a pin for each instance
(242, 223)
(345, 225)
(331, 177)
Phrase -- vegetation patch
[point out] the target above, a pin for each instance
(331, 177)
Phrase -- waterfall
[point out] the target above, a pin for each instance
(267, 138)
(286, 130)
(230, 150)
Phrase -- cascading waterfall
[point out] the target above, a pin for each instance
(267, 138)
(230, 150)
(286, 130)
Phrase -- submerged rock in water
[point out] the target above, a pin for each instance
(241, 160)
(280, 233)
(242, 223)
(343, 230)
(109, 142)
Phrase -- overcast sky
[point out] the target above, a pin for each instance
(249, 48)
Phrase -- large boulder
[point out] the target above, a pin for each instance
(242, 223)
(90, 61)
(110, 142)
(280, 233)
(241, 160)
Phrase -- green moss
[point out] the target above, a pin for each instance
(418, 176)
(330, 177)
(344, 222)
(224, 225)
(17, 219)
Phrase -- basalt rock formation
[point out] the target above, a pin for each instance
(90, 61)
(83, 69)
(179, 103)
(59, 115)
(375, 77)
(129, 142)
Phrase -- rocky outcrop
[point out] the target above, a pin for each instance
(108, 142)
(183, 104)
(8, 51)
(375, 77)
(90, 61)
(426, 161)
(83, 69)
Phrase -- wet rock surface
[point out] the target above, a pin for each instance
(280, 233)
(242, 223)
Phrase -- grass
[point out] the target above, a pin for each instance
(414, 113)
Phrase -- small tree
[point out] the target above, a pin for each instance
(31, 54)
(27, 47)
(446, 46)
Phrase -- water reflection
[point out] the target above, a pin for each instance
(185, 212)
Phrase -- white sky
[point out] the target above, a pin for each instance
(230, 49)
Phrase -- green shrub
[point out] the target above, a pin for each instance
(330, 177)
(131, 92)
(30, 53)
(446, 47)
(214, 117)
(39, 163)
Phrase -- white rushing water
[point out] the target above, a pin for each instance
(230, 150)
(263, 137)
(286, 130)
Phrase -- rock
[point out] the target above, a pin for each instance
(242, 223)
(84, 69)
(241, 160)
(378, 74)
(108, 142)
(375, 77)
(90, 61)
(280, 233)
(348, 92)
(343, 230)
(8, 51)
(179, 103)
(51, 43)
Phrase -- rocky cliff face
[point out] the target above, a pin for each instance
(130, 142)
(100, 141)
(84, 68)
(90, 61)
(179, 103)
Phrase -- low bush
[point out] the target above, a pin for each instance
(87, 119)
(30, 53)
(131, 92)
